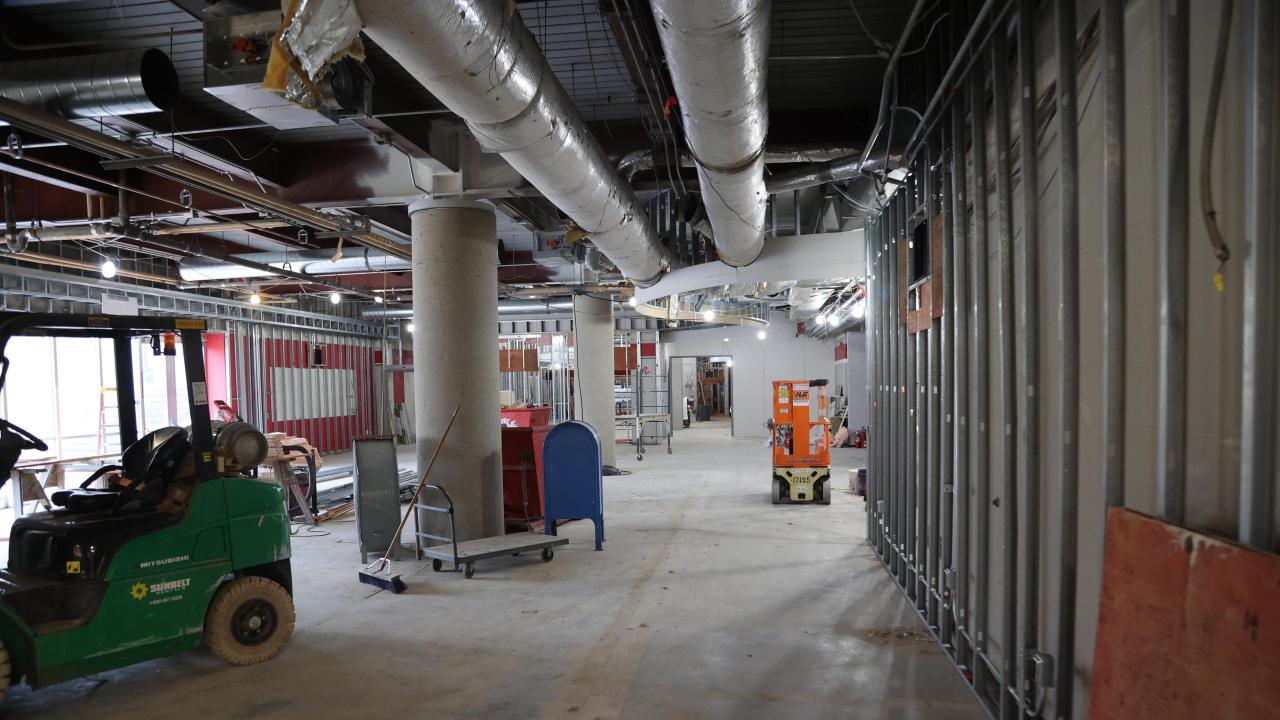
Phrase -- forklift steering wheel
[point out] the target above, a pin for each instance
(29, 441)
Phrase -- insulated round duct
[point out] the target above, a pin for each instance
(125, 82)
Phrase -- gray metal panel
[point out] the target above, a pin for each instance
(376, 487)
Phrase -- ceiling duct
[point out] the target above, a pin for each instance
(638, 161)
(717, 53)
(126, 82)
(478, 58)
(839, 169)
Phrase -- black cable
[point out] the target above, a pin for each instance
(1220, 249)
(270, 144)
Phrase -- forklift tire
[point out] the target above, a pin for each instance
(249, 621)
(6, 670)
(777, 491)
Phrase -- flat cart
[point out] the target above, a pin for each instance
(464, 555)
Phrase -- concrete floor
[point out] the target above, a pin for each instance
(707, 602)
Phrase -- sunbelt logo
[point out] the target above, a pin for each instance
(140, 590)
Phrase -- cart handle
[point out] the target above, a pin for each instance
(453, 530)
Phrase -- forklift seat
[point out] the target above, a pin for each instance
(92, 524)
(146, 466)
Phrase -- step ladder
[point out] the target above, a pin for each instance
(108, 419)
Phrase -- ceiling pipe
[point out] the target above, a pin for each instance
(49, 232)
(637, 161)
(505, 307)
(311, 262)
(248, 268)
(839, 169)
(51, 126)
(124, 82)
(717, 53)
(889, 72)
(477, 57)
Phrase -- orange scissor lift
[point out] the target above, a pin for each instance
(801, 442)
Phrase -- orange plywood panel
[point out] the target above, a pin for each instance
(1189, 625)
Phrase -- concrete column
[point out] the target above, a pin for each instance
(593, 356)
(455, 359)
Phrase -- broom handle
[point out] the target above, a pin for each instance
(413, 503)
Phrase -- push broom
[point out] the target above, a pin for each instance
(381, 577)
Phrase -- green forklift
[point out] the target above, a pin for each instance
(183, 546)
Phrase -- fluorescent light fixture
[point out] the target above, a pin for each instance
(108, 268)
(633, 301)
(708, 315)
(255, 299)
(760, 334)
(378, 299)
(335, 298)
(728, 363)
(409, 327)
(859, 309)
(726, 339)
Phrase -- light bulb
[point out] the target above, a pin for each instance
(255, 299)
(409, 327)
(726, 339)
(108, 268)
(859, 309)
(633, 301)
(335, 298)
(377, 299)
(760, 334)
(708, 315)
(728, 363)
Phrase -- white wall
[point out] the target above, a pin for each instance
(757, 363)
(857, 380)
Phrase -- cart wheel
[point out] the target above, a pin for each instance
(777, 491)
(437, 564)
(249, 621)
(639, 457)
(668, 451)
(470, 570)
(548, 554)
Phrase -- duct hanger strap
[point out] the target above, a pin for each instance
(745, 164)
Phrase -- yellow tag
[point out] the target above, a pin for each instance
(1218, 282)
(73, 567)
(189, 324)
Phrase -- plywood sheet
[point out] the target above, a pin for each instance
(1189, 625)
